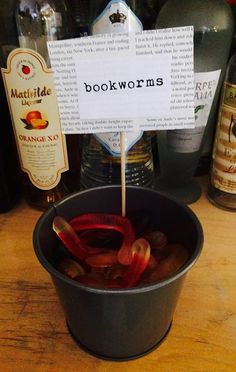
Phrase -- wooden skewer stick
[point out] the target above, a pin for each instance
(123, 180)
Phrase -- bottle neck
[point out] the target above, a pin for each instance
(52, 19)
(8, 38)
(39, 21)
(97, 7)
(204, 15)
(115, 16)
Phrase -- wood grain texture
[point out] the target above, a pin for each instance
(33, 333)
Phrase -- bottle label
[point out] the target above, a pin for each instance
(185, 140)
(111, 141)
(117, 17)
(35, 116)
(223, 174)
(189, 140)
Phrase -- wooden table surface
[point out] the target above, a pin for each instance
(33, 333)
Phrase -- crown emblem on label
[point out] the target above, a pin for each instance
(117, 17)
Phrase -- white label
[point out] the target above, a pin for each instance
(205, 88)
(189, 140)
(167, 54)
(185, 140)
(111, 141)
(35, 115)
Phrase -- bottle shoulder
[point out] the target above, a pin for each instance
(204, 15)
(44, 17)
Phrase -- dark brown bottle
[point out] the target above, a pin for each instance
(10, 183)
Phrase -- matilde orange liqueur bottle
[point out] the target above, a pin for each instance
(47, 158)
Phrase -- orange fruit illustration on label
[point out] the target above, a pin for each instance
(33, 115)
(39, 123)
(34, 120)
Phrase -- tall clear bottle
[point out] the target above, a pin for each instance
(222, 189)
(31, 96)
(180, 150)
(101, 152)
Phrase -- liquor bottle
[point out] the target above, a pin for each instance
(80, 12)
(180, 150)
(204, 164)
(100, 163)
(222, 188)
(10, 182)
(31, 96)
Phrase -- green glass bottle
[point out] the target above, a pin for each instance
(100, 163)
(180, 150)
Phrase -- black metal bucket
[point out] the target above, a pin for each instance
(120, 324)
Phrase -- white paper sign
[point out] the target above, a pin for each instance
(114, 82)
(124, 87)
